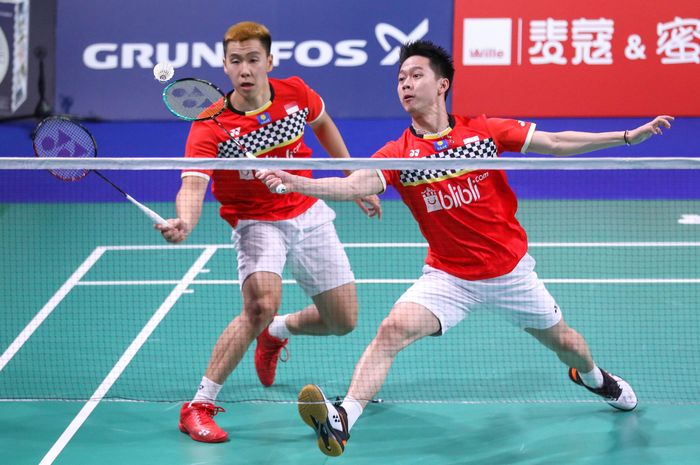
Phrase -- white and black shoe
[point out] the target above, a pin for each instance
(615, 390)
(330, 422)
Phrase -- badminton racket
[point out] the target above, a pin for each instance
(61, 137)
(198, 100)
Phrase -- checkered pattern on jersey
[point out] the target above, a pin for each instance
(266, 137)
(482, 149)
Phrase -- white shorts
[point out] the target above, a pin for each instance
(309, 243)
(519, 295)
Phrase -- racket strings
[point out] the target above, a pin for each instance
(193, 100)
(58, 137)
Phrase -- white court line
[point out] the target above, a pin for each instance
(127, 356)
(46, 310)
(399, 245)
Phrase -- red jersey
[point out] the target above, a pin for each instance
(467, 217)
(274, 130)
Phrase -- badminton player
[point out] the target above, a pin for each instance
(268, 116)
(477, 249)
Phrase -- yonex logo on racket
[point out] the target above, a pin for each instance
(62, 146)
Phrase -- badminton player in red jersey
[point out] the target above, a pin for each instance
(477, 249)
(268, 116)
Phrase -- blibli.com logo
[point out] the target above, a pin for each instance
(454, 197)
(308, 53)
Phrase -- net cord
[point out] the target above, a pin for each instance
(126, 163)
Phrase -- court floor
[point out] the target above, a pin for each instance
(95, 305)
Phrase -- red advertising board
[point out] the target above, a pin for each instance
(577, 58)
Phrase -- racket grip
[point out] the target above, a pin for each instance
(281, 189)
(155, 217)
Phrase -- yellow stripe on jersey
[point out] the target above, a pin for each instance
(437, 135)
(456, 174)
(259, 110)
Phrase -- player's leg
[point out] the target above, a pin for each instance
(529, 305)
(262, 292)
(318, 262)
(334, 312)
(434, 304)
(321, 267)
(261, 298)
(572, 349)
(406, 323)
(261, 257)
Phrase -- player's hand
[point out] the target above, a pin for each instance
(176, 232)
(652, 128)
(274, 178)
(370, 206)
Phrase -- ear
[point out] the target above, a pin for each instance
(269, 63)
(443, 86)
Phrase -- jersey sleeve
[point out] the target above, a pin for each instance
(313, 101)
(510, 135)
(200, 144)
(390, 150)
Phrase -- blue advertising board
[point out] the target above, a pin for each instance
(346, 51)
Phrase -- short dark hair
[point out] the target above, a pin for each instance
(440, 60)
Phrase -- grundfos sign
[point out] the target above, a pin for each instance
(308, 53)
(341, 49)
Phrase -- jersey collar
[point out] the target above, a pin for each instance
(264, 107)
(439, 135)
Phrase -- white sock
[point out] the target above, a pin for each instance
(278, 327)
(353, 408)
(593, 379)
(207, 392)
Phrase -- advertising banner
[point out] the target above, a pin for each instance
(14, 53)
(592, 58)
(346, 51)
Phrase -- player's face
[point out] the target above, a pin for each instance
(419, 87)
(246, 64)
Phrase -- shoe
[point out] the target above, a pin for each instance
(196, 420)
(267, 353)
(616, 391)
(330, 422)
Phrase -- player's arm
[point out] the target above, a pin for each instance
(567, 143)
(188, 205)
(359, 184)
(329, 136)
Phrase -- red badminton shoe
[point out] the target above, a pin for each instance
(196, 419)
(267, 353)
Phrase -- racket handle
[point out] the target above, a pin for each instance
(148, 212)
(281, 189)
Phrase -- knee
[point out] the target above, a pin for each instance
(339, 320)
(392, 333)
(346, 326)
(260, 311)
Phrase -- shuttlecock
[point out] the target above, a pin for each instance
(163, 72)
